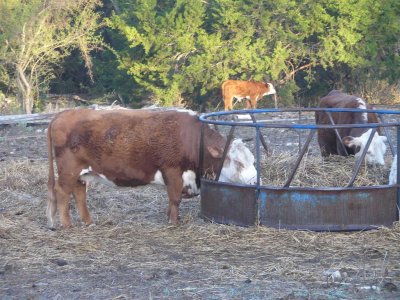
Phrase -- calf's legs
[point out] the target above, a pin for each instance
(252, 103)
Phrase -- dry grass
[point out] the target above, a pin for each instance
(314, 171)
(134, 253)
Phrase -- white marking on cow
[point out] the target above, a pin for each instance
(239, 165)
(377, 148)
(189, 182)
(87, 176)
(86, 171)
(158, 178)
(362, 105)
(271, 90)
(393, 171)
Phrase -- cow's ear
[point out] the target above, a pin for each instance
(215, 151)
(350, 141)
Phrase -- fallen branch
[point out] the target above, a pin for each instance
(26, 119)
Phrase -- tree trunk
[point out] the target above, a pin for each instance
(25, 90)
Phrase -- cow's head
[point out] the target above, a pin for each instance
(271, 89)
(377, 148)
(238, 165)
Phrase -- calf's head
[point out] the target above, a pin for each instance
(271, 89)
(376, 151)
(238, 165)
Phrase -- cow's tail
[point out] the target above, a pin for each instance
(51, 197)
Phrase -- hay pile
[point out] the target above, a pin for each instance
(133, 252)
(315, 171)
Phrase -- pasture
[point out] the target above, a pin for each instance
(133, 253)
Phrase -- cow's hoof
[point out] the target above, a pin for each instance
(66, 226)
(174, 222)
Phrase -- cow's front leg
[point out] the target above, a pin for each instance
(173, 180)
(252, 103)
(248, 105)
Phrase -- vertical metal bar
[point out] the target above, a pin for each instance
(300, 131)
(361, 159)
(258, 134)
(201, 155)
(300, 157)
(258, 166)
(263, 142)
(398, 172)
(337, 132)
(387, 134)
(228, 142)
(215, 125)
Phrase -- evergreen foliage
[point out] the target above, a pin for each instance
(178, 52)
(184, 49)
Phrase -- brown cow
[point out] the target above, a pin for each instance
(354, 139)
(250, 90)
(135, 147)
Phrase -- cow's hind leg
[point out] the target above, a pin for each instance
(174, 182)
(228, 103)
(79, 193)
(68, 183)
(63, 194)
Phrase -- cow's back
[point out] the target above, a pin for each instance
(243, 87)
(340, 100)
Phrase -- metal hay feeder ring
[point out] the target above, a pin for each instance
(300, 207)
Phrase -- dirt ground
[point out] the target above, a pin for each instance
(133, 253)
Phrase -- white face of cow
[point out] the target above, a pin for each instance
(271, 90)
(239, 165)
(376, 150)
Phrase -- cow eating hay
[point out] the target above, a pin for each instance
(132, 148)
(352, 140)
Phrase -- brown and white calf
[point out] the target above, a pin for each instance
(252, 91)
(354, 139)
(131, 148)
